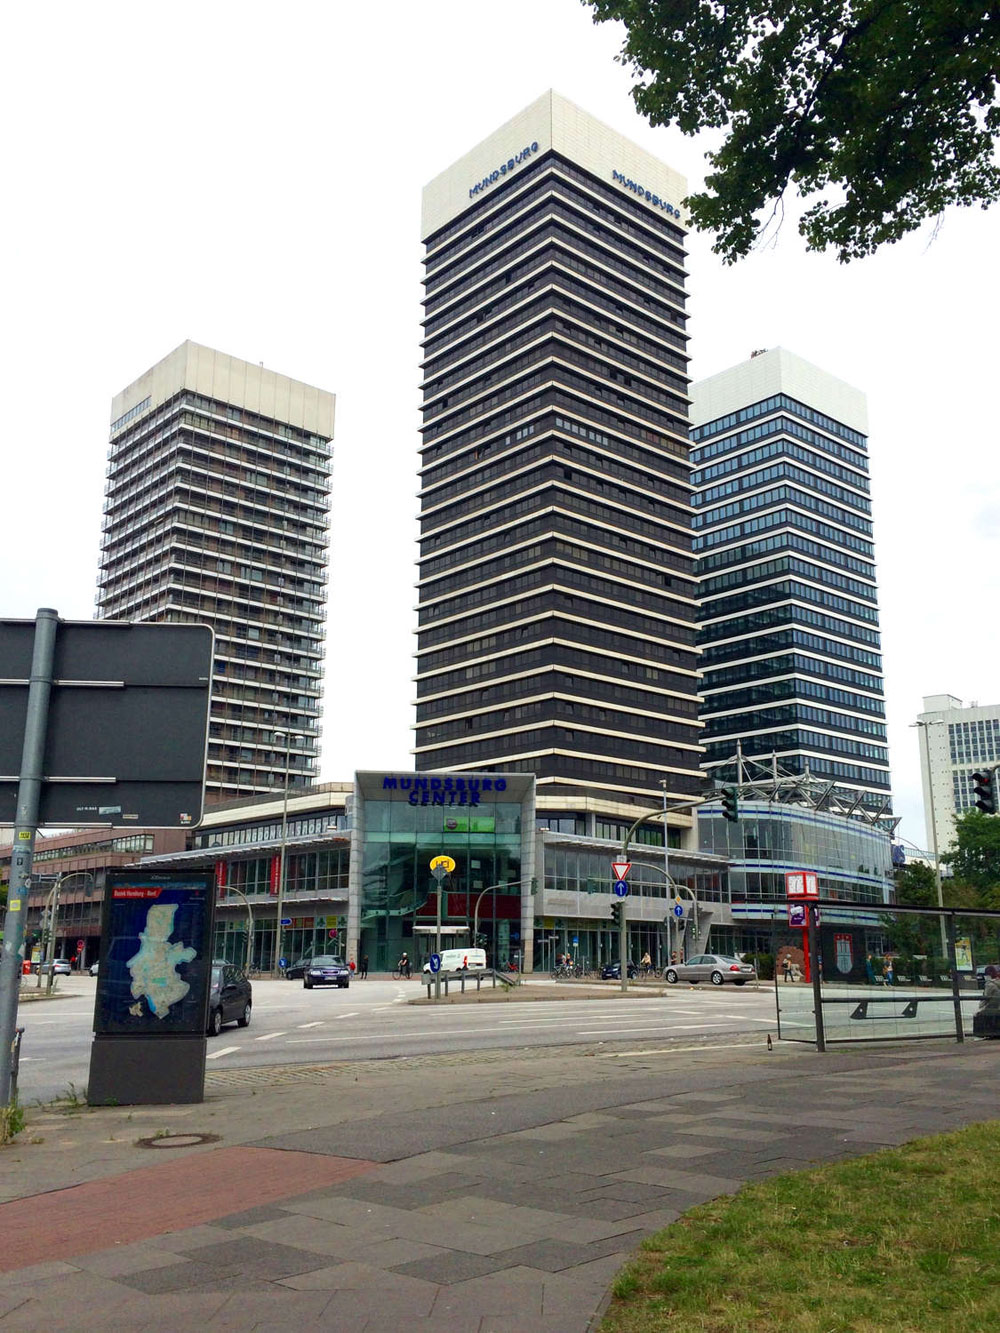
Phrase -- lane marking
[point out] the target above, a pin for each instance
(226, 1050)
(269, 1036)
(679, 1027)
(317, 1024)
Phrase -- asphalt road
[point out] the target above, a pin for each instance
(372, 1020)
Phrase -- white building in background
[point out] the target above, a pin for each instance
(955, 741)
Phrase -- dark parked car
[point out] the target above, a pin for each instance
(613, 971)
(230, 998)
(326, 970)
(297, 970)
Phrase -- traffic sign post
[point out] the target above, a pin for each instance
(434, 963)
(620, 888)
(678, 911)
(441, 868)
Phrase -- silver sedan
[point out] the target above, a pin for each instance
(714, 967)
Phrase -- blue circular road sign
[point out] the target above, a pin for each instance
(434, 962)
(620, 888)
(678, 910)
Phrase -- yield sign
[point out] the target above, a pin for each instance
(620, 869)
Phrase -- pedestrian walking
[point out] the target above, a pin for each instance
(789, 970)
(364, 966)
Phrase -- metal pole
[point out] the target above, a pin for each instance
(282, 852)
(246, 903)
(813, 945)
(23, 848)
(439, 874)
(949, 924)
(666, 871)
(934, 838)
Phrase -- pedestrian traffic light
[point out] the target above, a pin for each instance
(730, 804)
(616, 912)
(984, 788)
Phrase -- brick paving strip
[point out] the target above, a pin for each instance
(149, 1201)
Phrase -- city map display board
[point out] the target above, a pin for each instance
(156, 953)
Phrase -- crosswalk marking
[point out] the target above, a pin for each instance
(226, 1050)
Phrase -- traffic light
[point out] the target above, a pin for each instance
(984, 786)
(616, 912)
(730, 804)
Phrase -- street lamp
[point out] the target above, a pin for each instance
(282, 854)
(52, 911)
(504, 884)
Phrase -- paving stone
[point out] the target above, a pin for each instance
(127, 1259)
(685, 1150)
(186, 1276)
(690, 1182)
(265, 1213)
(361, 1279)
(35, 1273)
(606, 1210)
(552, 1256)
(190, 1238)
(257, 1258)
(312, 1234)
(451, 1266)
(738, 1132)
(495, 1294)
(293, 1309)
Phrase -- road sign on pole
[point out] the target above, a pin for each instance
(620, 869)
(678, 910)
(620, 888)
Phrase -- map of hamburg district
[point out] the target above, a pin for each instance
(154, 967)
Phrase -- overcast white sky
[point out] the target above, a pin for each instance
(248, 175)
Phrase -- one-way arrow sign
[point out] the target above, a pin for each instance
(620, 869)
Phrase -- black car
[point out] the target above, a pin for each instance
(297, 970)
(326, 970)
(613, 971)
(230, 998)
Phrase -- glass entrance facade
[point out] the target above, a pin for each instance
(477, 821)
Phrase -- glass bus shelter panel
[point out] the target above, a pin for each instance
(796, 1011)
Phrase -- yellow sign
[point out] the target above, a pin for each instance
(444, 861)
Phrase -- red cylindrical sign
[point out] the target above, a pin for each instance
(274, 874)
(220, 874)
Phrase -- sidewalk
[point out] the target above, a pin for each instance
(465, 1193)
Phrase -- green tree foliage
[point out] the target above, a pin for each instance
(975, 856)
(916, 885)
(878, 113)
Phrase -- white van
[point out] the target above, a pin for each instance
(461, 960)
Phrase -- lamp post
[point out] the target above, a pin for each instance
(246, 903)
(934, 838)
(504, 884)
(282, 855)
(52, 909)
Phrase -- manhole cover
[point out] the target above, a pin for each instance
(177, 1140)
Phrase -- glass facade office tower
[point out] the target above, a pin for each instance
(556, 597)
(789, 605)
(216, 510)
(956, 741)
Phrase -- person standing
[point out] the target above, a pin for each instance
(364, 966)
(404, 966)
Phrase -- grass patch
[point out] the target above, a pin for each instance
(906, 1240)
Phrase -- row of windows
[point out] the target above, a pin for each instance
(555, 287)
(768, 593)
(578, 609)
(516, 637)
(549, 682)
(975, 742)
(790, 713)
(607, 744)
(788, 564)
(791, 541)
(775, 404)
(556, 455)
(541, 265)
(750, 481)
(559, 576)
(461, 561)
(793, 662)
(771, 617)
(785, 689)
(779, 449)
(735, 447)
(682, 688)
(550, 220)
(573, 770)
(780, 495)
(764, 644)
(553, 192)
(552, 497)
(799, 738)
(129, 842)
(549, 711)
(779, 518)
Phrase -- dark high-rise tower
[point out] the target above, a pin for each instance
(216, 510)
(557, 599)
